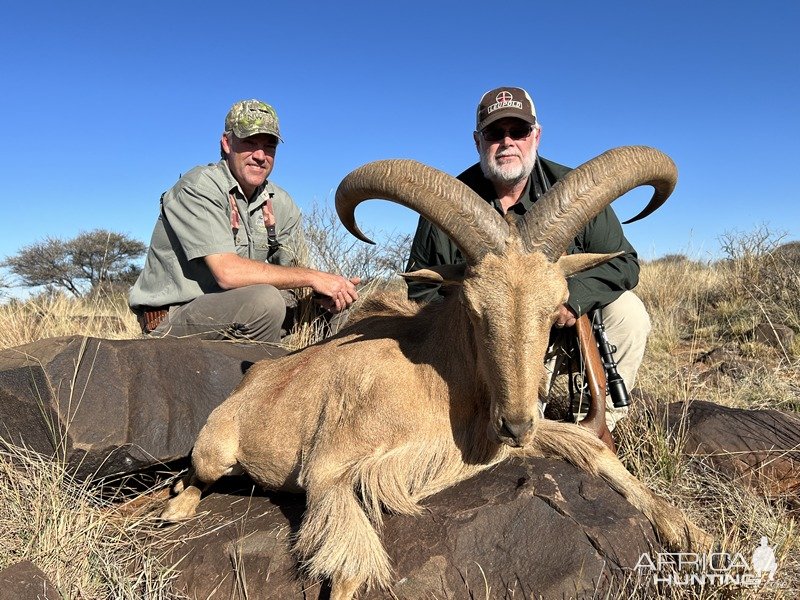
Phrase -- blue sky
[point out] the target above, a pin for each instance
(106, 104)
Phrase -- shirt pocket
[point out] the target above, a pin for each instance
(260, 240)
(241, 243)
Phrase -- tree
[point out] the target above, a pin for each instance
(80, 265)
(332, 249)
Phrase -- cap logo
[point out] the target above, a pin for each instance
(503, 100)
(504, 97)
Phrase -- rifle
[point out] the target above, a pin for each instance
(599, 374)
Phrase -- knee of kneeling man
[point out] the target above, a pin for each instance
(645, 325)
(266, 299)
(642, 328)
(633, 315)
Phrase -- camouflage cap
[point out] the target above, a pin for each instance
(251, 117)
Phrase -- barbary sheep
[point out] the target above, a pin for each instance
(409, 400)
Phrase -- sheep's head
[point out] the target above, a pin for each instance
(512, 301)
(515, 276)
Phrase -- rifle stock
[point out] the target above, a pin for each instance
(594, 376)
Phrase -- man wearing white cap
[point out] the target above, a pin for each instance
(511, 176)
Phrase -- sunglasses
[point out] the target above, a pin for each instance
(516, 132)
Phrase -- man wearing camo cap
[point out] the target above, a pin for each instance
(227, 242)
(511, 176)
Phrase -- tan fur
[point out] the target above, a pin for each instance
(406, 401)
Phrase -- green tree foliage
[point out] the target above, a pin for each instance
(81, 265)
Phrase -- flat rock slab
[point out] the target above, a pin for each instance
(524, 529)
(112, 407)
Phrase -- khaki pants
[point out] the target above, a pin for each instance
(627, 327)
(255, 312)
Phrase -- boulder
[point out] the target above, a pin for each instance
(524, 529)
(760, 447)
(777, 335)
(724, 362)
(113, 407)
(25, 581)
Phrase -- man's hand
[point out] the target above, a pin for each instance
(233, 271)
(566, 317)
(337, 292)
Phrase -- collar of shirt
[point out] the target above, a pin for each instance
(474, 178)
(258, 198)
(522, 205)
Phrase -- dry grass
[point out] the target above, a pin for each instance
(697, 307)
(54, 315)
(91, 550)
(84, 544)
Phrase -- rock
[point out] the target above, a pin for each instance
(117, 406)
(724, 361)
(533, 528)
(760, 447)
(25, 581)
(718, 355)
(775, 335)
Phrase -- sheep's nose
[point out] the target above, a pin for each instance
(515, 430)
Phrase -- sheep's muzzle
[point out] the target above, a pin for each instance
(515, 433)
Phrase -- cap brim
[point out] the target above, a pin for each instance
(257, 132)
(506, 113)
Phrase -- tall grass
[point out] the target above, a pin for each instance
(54, 315)
(696, 307)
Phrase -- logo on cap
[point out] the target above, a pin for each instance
(504, 99)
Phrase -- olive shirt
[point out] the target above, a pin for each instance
(195, 221)
(594, 288)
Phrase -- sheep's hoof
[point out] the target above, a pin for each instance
(183, 506)
(178, 487)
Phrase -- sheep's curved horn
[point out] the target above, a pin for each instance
(578, 197)
(464, 216)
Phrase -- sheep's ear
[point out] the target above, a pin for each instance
(575, 263)
(440, 274)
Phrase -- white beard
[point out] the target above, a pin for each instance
(507, 174)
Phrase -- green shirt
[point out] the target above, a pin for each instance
(195, 221)
(588, 290)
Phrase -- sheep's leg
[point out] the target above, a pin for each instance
(585, 451)
(213, 456)
(344, 590)
(184, 505)
(338, 541)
